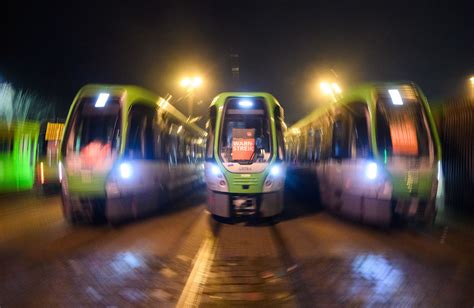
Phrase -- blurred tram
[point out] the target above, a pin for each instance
(245, 170)
(48, 175)
(374, 154)
(18, 143)
(125, 153)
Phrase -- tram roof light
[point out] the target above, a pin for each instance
(102, 100)
(245, 103)
(395, 96)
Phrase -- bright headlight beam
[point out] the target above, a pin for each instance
(125, 170)
(275, 171)
(371, 171)
(396, 97)
(215, 170)
(102, 100)
(245, 103)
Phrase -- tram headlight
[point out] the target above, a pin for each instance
(215, 170)
(215, 178)
(125, 170)
(275, 179)
(275, 171)
(371, 171)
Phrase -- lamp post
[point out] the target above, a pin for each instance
(191, 84)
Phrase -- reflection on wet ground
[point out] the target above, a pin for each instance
(308, 259)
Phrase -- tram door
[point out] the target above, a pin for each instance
(350, 154)
(339, 157)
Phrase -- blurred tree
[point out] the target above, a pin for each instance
(21, 105)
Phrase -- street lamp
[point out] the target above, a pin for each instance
(330, 89)
(471, 84)
(191, 84)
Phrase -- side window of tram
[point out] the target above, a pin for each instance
(140, 143)
(361, 133)
(210, 133)
(6, 142)
(317, 144)
(340, 140)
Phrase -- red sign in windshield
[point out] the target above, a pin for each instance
(243, 143)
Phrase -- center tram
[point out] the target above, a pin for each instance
(244, 167)
(125, 153)
(374, 154)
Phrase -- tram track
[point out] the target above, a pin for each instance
(222, 274)
(299, 288)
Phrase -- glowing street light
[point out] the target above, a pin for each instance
(336, 88)
(330, 89)
(326, 88)
(191, 84)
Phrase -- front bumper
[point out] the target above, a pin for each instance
(227, 205)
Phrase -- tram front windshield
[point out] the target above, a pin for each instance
(94, 135)
(246, 135)
(402, 125)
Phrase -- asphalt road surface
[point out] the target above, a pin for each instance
(183, 256)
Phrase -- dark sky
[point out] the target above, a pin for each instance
(284, 47)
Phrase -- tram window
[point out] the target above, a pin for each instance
(161, 131)
(93, 127)
(172, 146)
(360, 136)
(210, 133)
(301, 148)
(246, 134)
(310, 145)
(280, 140)
(317, 144)
(340, 144)
(402, 130)
(140, 135)
(278, 114)
(6, 143)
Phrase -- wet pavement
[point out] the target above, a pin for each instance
(183, 257)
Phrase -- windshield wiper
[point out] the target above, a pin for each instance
(250, 161)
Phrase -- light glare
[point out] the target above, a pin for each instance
(325, 87)
(125, 170)
(215, 170)
(336, 88)
(102, 100)
(275, 171)
(371, 171)
(245, 103)
(60, 171)
(395, 96)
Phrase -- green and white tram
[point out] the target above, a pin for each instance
(375, 153)
(245, 170)
(125, 152)
(18, 143)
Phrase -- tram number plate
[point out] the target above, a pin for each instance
(243, 203)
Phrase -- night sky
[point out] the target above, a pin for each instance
(284, 47)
